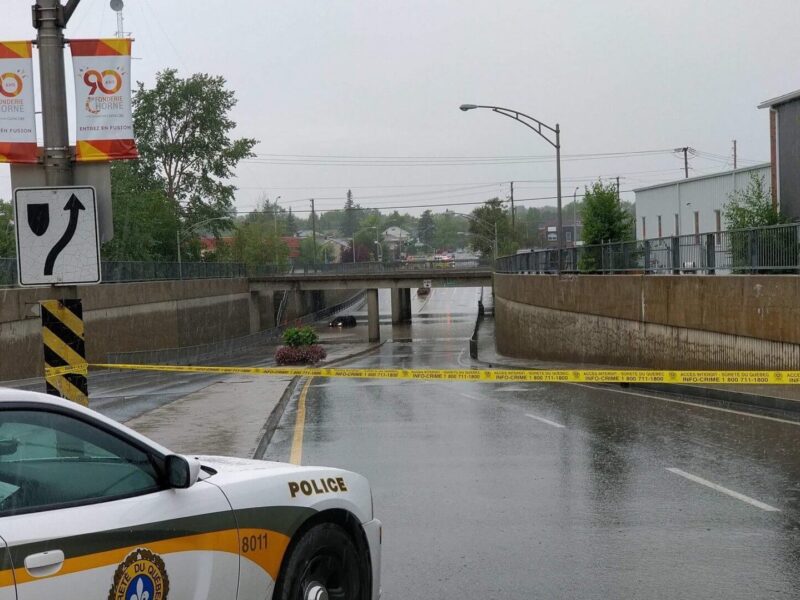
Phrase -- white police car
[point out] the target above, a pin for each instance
(92, 509)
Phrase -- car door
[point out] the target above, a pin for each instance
(7, 591)
(87, 515)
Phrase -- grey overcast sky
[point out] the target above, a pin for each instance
(369, 78)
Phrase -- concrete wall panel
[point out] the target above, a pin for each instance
(664, 321)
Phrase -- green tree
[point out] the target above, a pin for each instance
(488, 219)
(426, 228)
(255, 243)
(747, 210)
(447, 231)
(604, 218)
(307, 251)
(349, 223)
(751, 207)
(183, 129)
(145, 222)
(291, 224)
(8, 244)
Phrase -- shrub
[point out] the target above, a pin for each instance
(295, 355)
(300, 336)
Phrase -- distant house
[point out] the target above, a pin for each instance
(548, 234)
(209, 243)
(293, 243)
(305, 233)
(332, 249)
(395, 234)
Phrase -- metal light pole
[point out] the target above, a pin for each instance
(192, 228)
(537, 126)
(575, 216)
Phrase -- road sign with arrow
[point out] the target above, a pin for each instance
(57, 237)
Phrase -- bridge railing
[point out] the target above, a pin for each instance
(774, 249)
(370, 267)
(132, 271)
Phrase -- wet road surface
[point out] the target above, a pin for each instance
(553, 491)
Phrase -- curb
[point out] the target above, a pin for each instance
(746, 402)
(275, 416)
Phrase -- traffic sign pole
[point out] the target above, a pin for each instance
(50, 18)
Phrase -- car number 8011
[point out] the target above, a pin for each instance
(252, 543)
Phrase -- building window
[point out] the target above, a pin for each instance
(697, 227)
(568, 233)
(677, 224)
(659, 227)
(718, 220)
(644, 228)
(552, 236)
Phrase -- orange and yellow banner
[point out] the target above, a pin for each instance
(17, 113)
(104, 127)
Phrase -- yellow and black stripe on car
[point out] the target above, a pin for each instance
(258, 534)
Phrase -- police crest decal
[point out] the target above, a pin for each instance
(141, 576)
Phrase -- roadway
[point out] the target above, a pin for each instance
(552, 491)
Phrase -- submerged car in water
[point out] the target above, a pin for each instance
(343, 321)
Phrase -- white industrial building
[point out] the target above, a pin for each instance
(691, 206)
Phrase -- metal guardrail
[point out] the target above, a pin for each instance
(774, 249)
(371, 267)
(225, 348)
(133, 271)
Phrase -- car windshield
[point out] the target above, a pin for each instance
(530, 268)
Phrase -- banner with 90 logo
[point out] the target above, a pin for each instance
(17, 116)
(104, 128)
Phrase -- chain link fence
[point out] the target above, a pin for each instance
(774, 249)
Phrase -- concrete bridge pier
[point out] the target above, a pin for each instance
(373, 316)
(401, 305)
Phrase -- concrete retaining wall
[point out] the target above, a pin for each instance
(651, 321)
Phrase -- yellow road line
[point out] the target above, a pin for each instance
(296, 455)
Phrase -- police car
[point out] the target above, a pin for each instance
(92, 509)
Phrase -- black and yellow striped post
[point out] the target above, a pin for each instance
(65, 367)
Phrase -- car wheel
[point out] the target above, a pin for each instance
(323, 565)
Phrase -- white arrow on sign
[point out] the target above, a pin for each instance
(57, 236)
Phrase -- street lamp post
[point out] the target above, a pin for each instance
(472, 218)
(536, 126)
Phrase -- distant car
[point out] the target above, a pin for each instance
(92, 509)
(343, 321)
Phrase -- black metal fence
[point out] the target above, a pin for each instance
(773, 249)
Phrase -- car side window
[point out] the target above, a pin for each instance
(50, 460)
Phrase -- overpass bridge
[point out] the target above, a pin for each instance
(400, 277)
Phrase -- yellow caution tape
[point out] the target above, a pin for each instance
(79, 369)
(494, 375)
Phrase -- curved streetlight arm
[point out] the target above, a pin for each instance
(518, 116)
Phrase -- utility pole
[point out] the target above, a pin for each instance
(50, 18)
(314, 232)
(734, 155)
(617, 188)
(513, 215)
(685, 151)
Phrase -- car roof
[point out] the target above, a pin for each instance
(9, 395)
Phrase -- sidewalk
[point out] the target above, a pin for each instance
(772, 398)
(231, 416)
